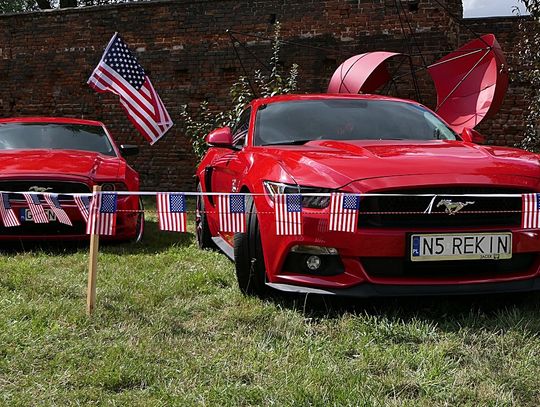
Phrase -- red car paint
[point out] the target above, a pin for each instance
(361, 167)
(75, 166)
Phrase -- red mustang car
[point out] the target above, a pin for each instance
(418, 236)
(64, 156)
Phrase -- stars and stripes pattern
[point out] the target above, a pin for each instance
(119, 72)
(83, 203)
(172, 212)
(103, 211)
(530, 211)
(6, 212)
(232, 213)
(288, 209)
(36, 208)
(344, 212)
(54, 204)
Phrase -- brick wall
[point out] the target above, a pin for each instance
(46, 58)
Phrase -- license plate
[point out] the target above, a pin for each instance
(461, 246)
(26, 215)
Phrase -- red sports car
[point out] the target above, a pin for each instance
(415, 235)
(64, 156)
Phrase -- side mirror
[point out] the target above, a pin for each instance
(220, 138)
(472, 136)
(128, 149)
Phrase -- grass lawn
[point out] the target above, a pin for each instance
(171, 328)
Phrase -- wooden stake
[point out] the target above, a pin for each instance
(92, 266)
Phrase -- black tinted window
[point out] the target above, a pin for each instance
(24, 136)
(346, 119)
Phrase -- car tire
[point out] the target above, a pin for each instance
(139, 229)
(248, 255)
(204, 236)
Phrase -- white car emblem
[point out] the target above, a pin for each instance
(35, 188)
(453, 207)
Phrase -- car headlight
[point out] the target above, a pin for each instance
(315, 202)
(113, 186)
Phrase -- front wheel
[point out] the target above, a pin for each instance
(139, 228)
(248, 255)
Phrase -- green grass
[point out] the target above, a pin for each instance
(171, 328)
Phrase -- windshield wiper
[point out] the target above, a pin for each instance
(289, 142)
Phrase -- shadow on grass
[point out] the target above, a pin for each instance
(450, 313)
(154, 241)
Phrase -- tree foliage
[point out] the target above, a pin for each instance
(262, 84)
(529, 58)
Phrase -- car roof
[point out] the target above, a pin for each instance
(52, 120)
(326, 96)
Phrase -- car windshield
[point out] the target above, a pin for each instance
(297, 122)
(54, 136)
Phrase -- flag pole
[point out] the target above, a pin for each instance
(92, 263)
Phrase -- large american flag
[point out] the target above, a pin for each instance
(36, 208)
(530, 211)
(102, 219)
(344, 212)
(172, 212)
(6, 212)
(232, 213)
(54, 204)
(83, 203)
(120, 73)
(288, 214)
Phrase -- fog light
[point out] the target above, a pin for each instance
(313, 263)
(314, 250)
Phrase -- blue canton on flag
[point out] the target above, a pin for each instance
(178, 203)
(108, 203)
(123, 62)
(237, 204)
(351, 202)
(294, 203)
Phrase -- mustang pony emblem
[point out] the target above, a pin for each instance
(453, 207)
(35, 188)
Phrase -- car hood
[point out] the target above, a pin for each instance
(58, 162)
(334, 164)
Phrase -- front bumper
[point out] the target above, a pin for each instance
(369, 290)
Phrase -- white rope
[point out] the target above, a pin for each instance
(321, 194)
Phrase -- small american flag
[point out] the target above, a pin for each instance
(530, 211)
(6, 213)
(344, 212)
(54, 204)
(102, 219)
(288, 214)
(36, 208)
(232, 213)
(172, 212)
(120, 73)
(83, 203)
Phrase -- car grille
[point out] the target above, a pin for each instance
(408, 211)
(57, 187)
(391, 267)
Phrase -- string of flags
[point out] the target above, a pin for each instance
(100, 210)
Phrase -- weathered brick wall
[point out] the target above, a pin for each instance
(46, 58)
